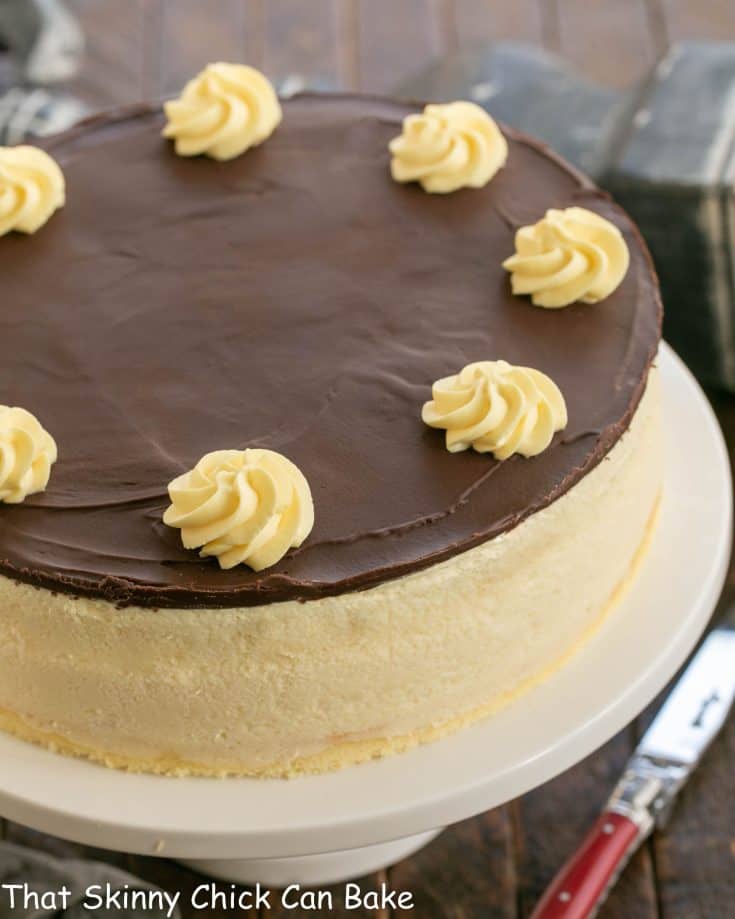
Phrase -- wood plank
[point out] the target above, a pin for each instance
(396, 40)
(549, 14)
(607, 42)
(334, 907)
(301, 39)
(174, 877)
(468, 871)
(696, 853)
(152, 48)
(112, 72)
(552, 820)
(484, 21)
(445, 16)
(348, 43)
(657, 26)
(196, 34)
(711, 20)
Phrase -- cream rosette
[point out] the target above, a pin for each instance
(31, 188)
(222, 112)
(567, 256)
(494, 407)
(448, 147)
(27, 453)
(242, 506)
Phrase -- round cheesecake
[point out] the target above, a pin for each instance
(299, 300)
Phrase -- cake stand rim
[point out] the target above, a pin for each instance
(361, 805)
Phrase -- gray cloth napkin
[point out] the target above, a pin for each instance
(42, 874)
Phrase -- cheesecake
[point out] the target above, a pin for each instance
(297, 299)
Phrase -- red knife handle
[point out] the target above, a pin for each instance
(581, 885)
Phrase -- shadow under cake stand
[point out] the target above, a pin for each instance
(327, 828)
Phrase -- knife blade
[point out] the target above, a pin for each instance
(670, 750)
(697, 707)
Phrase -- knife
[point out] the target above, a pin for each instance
(670, 750)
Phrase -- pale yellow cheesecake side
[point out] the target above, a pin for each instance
(295, 687)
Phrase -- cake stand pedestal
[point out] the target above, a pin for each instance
(313, 870)
(326, 828)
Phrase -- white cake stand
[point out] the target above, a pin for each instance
(366, 817)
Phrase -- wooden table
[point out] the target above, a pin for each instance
(495, 865)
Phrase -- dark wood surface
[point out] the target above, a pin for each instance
(495, 865)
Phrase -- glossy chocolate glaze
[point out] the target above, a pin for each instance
(297, 299)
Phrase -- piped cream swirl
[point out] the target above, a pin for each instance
(495, 407)
(448, 147)
(242, 506)
(567, 256)
(223, 111)
(27, 453)
(31, 188)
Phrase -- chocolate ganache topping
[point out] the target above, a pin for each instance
(293, 299)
